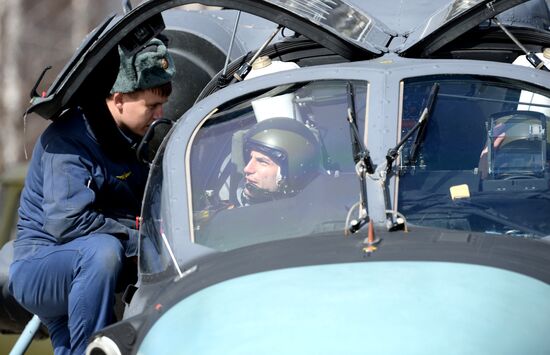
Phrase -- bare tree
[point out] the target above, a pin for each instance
(35, 34)
(80, 10)
(10, 136)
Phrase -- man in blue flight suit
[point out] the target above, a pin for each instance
(83, 191)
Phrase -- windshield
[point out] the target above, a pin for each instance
(482, 164)
(275, 165)
(154, 253)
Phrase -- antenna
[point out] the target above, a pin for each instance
(231, 43)
(222, 79)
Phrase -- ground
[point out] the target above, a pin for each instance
(38, 347)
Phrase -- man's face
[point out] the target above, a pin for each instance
(261, 172)
(136, 111)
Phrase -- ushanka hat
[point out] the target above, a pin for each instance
(150, 67)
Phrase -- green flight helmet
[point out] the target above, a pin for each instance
(291, 145)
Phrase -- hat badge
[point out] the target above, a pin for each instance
(164, 63)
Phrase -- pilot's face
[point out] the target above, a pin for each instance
(261, 172)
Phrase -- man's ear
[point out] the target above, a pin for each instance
(118, 100)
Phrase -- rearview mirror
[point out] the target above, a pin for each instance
(150, 143)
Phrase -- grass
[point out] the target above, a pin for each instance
(38, 347)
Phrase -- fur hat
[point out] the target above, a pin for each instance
(150, 67)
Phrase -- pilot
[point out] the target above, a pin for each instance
(83, 191)
(282, 156)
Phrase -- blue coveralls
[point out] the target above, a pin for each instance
(76, 225)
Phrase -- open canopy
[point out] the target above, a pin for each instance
(344, 28)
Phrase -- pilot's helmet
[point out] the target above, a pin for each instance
(291, 145)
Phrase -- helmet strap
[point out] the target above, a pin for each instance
(279, 177)
(258, 194)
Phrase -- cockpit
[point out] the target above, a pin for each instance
(302, 129)
(479, 164)
(483, 165)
